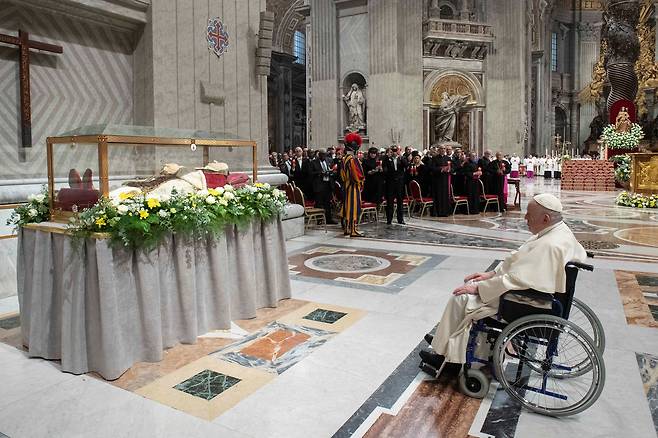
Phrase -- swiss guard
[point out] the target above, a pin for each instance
(353, 178)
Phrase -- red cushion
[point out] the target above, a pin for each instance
(490, 197)
(427, 200)
(238, 179)
(368, 205)
(214, 180)
(83, 198)
(309, 203)
(461, 198)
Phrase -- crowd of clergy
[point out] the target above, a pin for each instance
(442, 173)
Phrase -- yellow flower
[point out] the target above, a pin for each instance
(124, 196)
(100, 222)
(259, 184)
(143, 214)
(194, 205)
(213, 192)
(152, 202)
(172, 210)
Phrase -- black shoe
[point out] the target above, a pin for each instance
(429, 338)
(389, 223)
(402, 223)
(332, 223)
(431, 358)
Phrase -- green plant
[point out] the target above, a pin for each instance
(623, 167)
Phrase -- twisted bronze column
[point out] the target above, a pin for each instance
(621, 20)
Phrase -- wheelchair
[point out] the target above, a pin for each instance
(550, 359)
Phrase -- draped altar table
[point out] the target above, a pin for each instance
(102, 308)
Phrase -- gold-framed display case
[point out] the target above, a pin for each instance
(644, 173)
(92, 161)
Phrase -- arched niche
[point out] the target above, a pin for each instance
(452, 82)
(358, 78)
(470, 120)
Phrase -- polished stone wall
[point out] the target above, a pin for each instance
(91, 82)
(182, 84)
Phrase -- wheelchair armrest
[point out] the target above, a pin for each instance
(590, 255)
(579, 265)
(530, 293)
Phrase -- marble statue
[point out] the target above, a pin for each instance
(446, 118)
(356, 104)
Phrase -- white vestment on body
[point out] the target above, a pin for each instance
(538, 264)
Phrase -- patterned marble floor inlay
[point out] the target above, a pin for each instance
(367, 269)
(639, 295)
(648, 365)
(422, 235)
(10, 323)
(323, 315)
(215, 382)
(207, 385)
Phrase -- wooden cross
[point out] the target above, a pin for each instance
(24, 44)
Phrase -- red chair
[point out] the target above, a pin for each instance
(458, 200)
(418, 199)
(488, 199)
(369, 209)
(312, 215)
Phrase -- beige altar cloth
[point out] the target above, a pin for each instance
(538, 264)
(100, 308)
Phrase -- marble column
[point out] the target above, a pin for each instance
(325, 128)
(507, 78)
(396, 76)
(588, 55)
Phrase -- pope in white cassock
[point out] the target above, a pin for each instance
(538, 264)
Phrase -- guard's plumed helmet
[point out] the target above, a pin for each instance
(352, 141)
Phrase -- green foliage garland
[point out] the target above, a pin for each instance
(142, 220)
(35, 210)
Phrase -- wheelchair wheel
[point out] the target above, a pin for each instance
(476, 385)
(532, 360)
(586, 319)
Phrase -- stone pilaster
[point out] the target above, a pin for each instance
(588, 46)
(324, 60)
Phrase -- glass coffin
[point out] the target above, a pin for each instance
(105, 160)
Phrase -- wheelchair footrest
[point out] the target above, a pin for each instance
(429, 369)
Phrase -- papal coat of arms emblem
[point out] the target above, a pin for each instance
(217, 36)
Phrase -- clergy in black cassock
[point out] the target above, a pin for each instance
(472, 176)
(499, 169)
(373, 190)
(440, 172)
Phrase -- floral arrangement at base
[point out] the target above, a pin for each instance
(623, 167)
(637, 200)
(142, 220)
(35, 210)
(622, 140)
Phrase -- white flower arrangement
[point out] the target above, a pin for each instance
(622, 140)
(637, 200)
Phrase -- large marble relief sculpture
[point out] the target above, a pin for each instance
(446, 116)
(356, 104)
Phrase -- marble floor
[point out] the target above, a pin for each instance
(341, 357)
